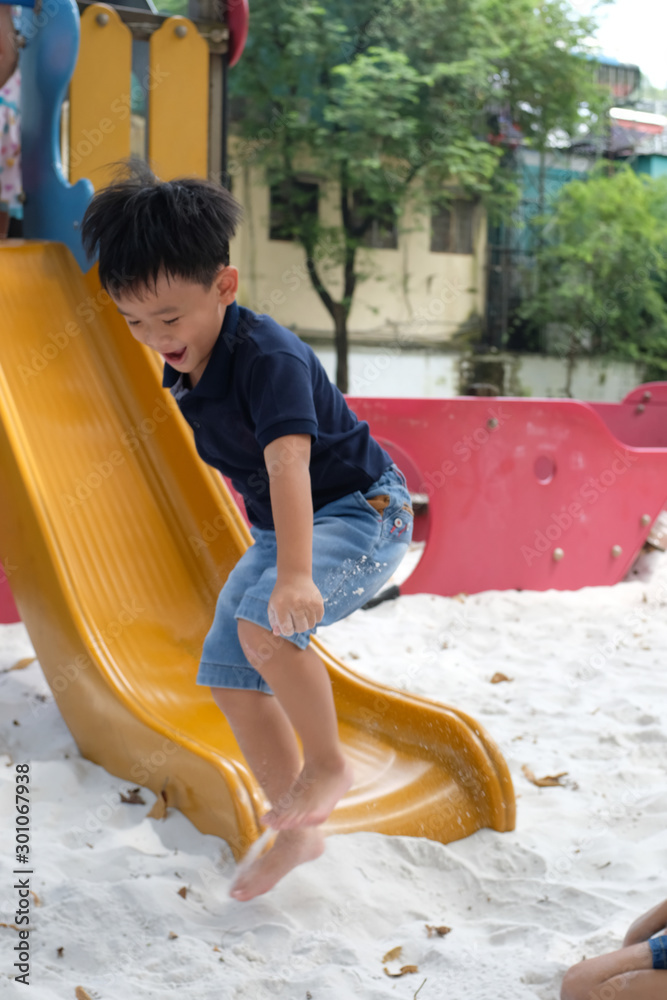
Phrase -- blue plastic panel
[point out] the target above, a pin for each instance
(53, 207)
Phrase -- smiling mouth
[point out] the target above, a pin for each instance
(175, 357)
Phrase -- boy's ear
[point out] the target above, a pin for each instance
(227, 284)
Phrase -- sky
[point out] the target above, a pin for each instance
(633, 31)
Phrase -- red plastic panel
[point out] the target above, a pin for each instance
(641, 419)
(510, 481)
(655, 391)
(8, 612)
(237, 15)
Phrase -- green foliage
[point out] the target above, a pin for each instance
(390, 100)
(392, 89)
(603, 269)
(173, 7)
(543, 69)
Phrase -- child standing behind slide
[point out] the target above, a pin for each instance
(637, 971)
(10, 141)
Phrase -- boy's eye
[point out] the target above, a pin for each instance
(136, 322)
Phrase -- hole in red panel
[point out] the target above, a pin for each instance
(545, 469)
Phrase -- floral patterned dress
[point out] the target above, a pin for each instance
(10, 146)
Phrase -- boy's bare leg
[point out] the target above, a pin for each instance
(628, 974)
(266, 738)
(301, 684)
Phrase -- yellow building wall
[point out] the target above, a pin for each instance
(411, 294)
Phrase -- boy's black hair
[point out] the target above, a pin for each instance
(143, 226)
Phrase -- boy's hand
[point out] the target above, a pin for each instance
(295, 605)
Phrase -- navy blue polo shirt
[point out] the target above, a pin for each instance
(261, 383)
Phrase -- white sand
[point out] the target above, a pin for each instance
(588, 696)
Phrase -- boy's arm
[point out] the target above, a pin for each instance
(647, 925)
(296, 604)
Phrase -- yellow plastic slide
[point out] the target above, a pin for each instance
(120, 538)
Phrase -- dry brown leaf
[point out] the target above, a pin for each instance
(403, 971)
(171, 935)
(548, 781)
(183, 891)
(440, 931)
(81, 994)
(498, 677)
(22, 664)
(163, 801)
(392, 955)
(159, 810)
(215, 948)
(461, 598)
(16, 928)
(38, 901)
(133, 797)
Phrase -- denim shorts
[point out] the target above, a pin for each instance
(356, 549)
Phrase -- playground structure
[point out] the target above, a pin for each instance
(116, 538)
(183, 75)
(527, 493)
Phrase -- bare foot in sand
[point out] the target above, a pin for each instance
(291, 848)
(312, 797)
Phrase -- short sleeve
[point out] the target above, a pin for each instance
(281, 397)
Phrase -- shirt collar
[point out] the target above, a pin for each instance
(216, 374)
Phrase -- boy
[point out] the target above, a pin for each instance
(637, 971)
(330, 513)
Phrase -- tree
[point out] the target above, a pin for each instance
(604, 268)
(388, 100)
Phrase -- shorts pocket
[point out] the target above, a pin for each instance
(378, 503)
(390, 503)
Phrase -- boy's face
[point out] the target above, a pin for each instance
(181, 320)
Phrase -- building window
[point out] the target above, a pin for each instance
(452, 227)
(291, 199)
(382, 231)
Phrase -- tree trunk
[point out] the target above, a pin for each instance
(340, 320)
(571, 361)
(339, 311)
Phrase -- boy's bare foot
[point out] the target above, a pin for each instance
(291, 848)
(312, 797)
